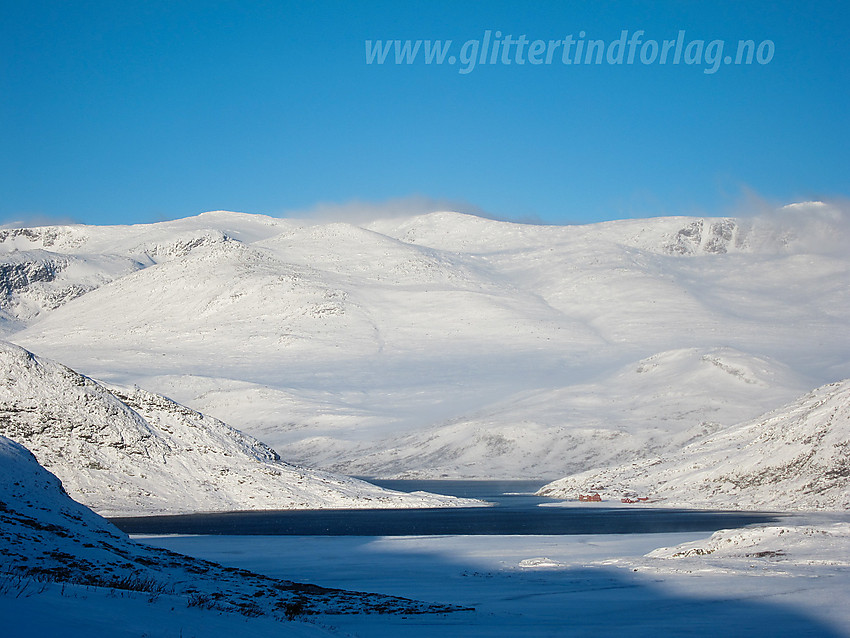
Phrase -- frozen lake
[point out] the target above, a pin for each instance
(545, 586)
(526, 584)
(514, 511)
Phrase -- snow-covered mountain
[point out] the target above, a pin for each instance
(48, 537)
(129, 451)
(44, 267)
(796, 457)
(447, 344)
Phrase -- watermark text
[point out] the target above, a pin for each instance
(495, 48)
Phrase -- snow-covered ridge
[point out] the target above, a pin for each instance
(42, 268)
(126, 451)
(46, 535)
(139, 238)
(793, 458)
(797, 227)
(103, 253)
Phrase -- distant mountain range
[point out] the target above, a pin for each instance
(445, 345)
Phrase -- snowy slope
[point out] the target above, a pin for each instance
(44, 267)
(648, 407)
(125, 450)
(796, 457)
(49, 537)
(441, 344)
(35, 281)
(652, 285)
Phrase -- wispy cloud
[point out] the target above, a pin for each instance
(358, 211)
(816, 225)
(29, 220)
(822, 226)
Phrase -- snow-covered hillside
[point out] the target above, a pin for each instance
(656, 404)
(48, 537)
(794, 458)
(129, 451)
(43, 268)
(451, 345)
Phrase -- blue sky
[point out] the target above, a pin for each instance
(120, 112)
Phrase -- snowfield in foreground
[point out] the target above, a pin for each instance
(125, 451)
(794, 458)
(48, 539)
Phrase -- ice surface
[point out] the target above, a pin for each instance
(586, 586)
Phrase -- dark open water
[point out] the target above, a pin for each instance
(515, 510)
